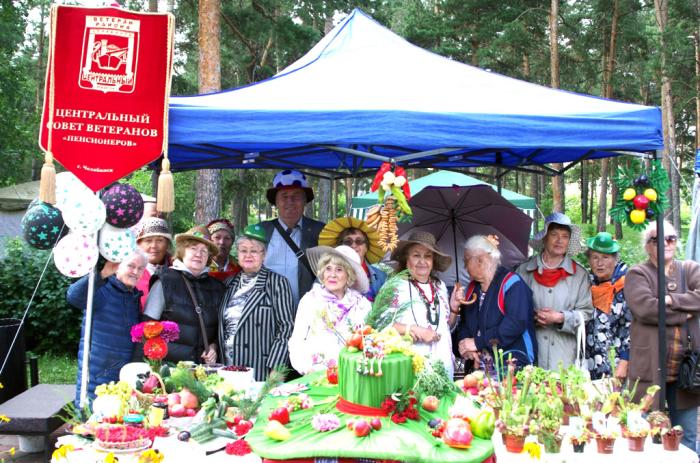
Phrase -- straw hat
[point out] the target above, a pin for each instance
(441, 261)
(575, 246)
(330, 233)
(346, 253)
(198, 233)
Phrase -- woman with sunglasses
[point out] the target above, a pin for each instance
(682, 326)
(364, 240)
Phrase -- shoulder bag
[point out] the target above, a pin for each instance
(197, 309)
(689, 372)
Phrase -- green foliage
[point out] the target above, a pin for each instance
(52, 324)
(57, 368)
(382, 313)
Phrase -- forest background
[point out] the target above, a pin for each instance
(641, 51)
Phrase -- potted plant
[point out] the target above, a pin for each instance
(671, 438)
(606, 429)
(606, 441)
(578, 433)
(549, 412)
(637, 430)
(658, 421)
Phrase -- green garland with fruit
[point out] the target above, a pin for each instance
(642, 197)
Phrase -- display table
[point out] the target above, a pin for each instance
(653, 453)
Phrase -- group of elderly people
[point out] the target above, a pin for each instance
(255, 302)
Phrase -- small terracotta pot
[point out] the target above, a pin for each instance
(565, 419)
(624, 431)
(514, 444)
(671, 441)
(636, 443)
(578, 448)
(552, 444)
(656, 438)
(605, 444)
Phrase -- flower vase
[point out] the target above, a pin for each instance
(671, 441)
(636, 443)
(605, 444)
(578, 448)
(514, 443)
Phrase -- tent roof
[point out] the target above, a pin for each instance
(446, 178)
(364, 95)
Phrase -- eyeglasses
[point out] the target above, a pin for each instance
(201, 252)
(669, 239)
(356, 242)
(249, 252)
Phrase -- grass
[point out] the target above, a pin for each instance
(56, 368)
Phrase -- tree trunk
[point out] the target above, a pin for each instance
(608, 67)
(323, 198)
(240, 203)
(348, 196)
(558, 186)
(669, 156)
(614, 195)
(591, 199)
(584, 192)
(535, 193)
(208, 191)
(153, 6)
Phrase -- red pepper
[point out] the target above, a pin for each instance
(384, 168)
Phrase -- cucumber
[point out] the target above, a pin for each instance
(223, 433)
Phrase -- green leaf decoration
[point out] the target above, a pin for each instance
(384, 311)
(629, 176)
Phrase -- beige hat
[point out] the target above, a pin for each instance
(346, 253)
(441, 261)
(198, 233)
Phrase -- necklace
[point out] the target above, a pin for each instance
(432, 307)
(545, 265)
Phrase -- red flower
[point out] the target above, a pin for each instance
(398, 418)
(152, 329)
(155, 349)
(388, 405)
(411, 413)
(242, 428)
(238, 448)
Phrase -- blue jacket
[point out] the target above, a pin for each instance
(513, 329)
(115, 309)
(377, 278)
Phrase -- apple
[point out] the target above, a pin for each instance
(470, 381)
(190, 412)
(187, 399)
(173, 398)
(362, 428)
(376, 424)
(280, 414)
(177, 410)
(431, 403)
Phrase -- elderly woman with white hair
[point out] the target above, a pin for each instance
(331, 311)
(682, 326)
(115, 309)
(497, 308)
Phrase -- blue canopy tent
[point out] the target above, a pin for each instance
(363, 95)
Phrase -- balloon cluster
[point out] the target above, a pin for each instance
(638, 200)
(72, 225)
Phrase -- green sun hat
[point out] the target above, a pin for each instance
(255, 232)
(604, 243)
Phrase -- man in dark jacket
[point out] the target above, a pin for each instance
(290, 193)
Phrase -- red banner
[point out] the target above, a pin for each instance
(107, 89)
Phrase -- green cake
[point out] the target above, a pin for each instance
(371, 389)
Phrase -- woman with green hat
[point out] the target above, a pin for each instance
(610, 325)
(256, 316)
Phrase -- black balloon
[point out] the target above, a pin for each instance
(124, 205)
(42, 225)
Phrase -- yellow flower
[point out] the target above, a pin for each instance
(4, 419)
(1, 386)
(151, 456)
(12, 452)
(62, 452)
(110, 458)
(533, 449)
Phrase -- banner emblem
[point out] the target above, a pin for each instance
(110, 54)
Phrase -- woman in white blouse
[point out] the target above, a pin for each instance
(423, 305)
(330, 312)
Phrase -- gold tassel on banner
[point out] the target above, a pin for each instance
(47, 185)
(165, 202)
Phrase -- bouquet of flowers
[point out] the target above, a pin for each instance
(155, 336)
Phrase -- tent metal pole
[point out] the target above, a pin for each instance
(87, 340)
(661, 278)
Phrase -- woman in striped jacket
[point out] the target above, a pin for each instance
(256, 316)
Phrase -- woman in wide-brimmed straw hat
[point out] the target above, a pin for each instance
(422, 302)
(560, 288)
(331, 311)
(364, 240)
(170, 298)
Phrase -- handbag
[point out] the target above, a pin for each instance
(689, 371)
(197, 309)
(580, 360)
